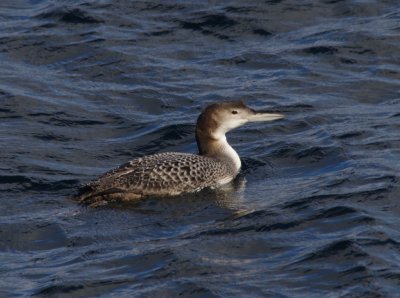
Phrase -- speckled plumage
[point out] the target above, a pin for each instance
(173, 173)
(162, 174)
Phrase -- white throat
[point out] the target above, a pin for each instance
(226, 153)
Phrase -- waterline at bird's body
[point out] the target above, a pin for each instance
(173, 173)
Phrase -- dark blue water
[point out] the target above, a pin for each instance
(88, 85)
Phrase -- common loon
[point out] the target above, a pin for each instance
(173, 173)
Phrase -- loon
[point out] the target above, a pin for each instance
(173, 173)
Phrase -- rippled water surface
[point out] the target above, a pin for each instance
(88, 85)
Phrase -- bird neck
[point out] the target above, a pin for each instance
(217, 147)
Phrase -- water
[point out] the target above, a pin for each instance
(88, 85)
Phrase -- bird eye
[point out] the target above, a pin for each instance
(234, 112)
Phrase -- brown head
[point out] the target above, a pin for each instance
(219, 118)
